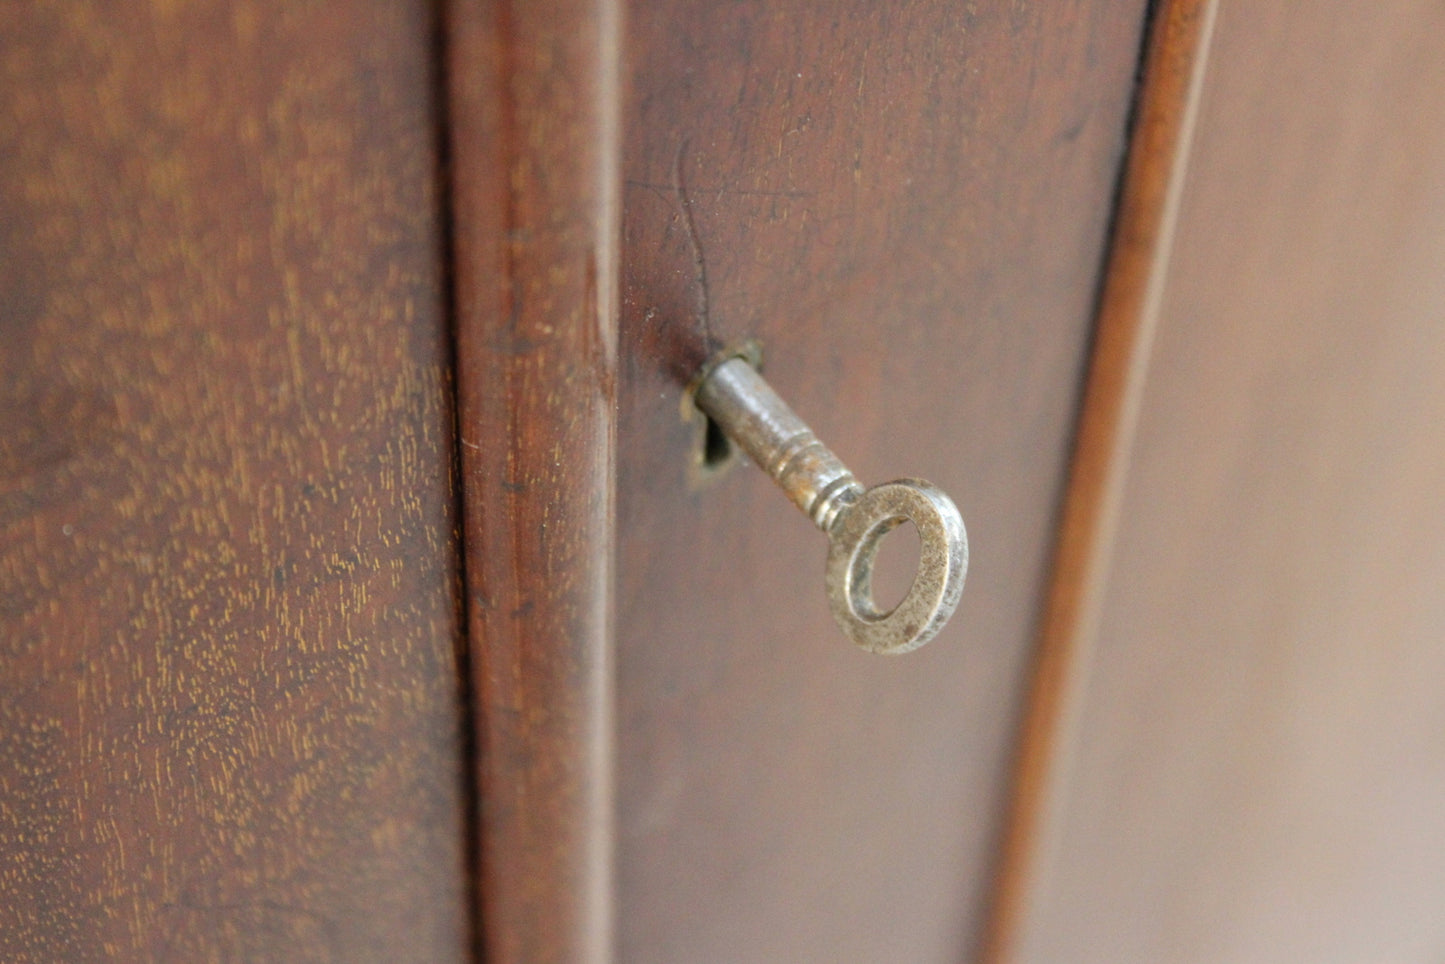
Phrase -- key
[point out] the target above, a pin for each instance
(732, 392)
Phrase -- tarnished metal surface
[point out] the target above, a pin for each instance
(937, 586)
(732, 392)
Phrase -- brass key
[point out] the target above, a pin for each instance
(731, 392)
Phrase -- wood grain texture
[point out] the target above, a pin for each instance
(1140, 249)
(229, 718)
(1258, 774)
(908, 204)
(534, 101)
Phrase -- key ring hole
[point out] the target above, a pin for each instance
(886, 567)
(854, 539)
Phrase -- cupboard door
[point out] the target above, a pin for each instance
(907, 205)
(1256, 772)
(229, 720)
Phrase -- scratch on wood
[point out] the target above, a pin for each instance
(703, 307)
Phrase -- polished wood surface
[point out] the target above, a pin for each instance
(1258, 771)
(908, 205)
(1142, 243)
(534, 101)
(238, 715)
(229, 718)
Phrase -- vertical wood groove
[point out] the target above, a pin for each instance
(533, 97)
(1138, 263)
(439, 84)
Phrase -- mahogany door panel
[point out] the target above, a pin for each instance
(230, 724)
(907, 205)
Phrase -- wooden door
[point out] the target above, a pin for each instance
(908, 206)
(1250, 759)
(230, 719)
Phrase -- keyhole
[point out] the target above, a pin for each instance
(713, 453)
(895, 566)
(716, 449)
